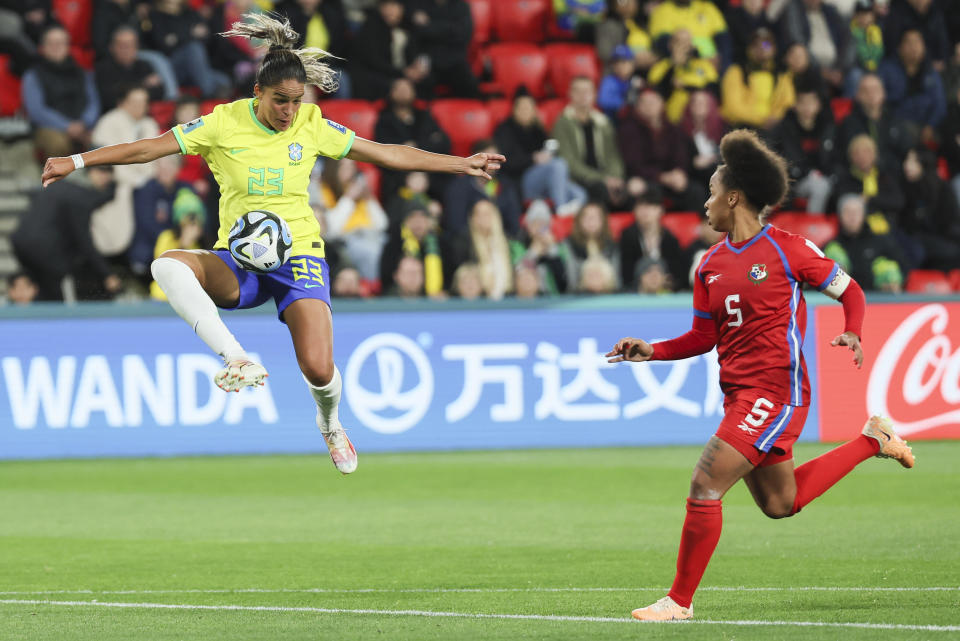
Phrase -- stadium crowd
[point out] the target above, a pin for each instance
(609, 112)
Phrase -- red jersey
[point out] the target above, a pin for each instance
(752, 291)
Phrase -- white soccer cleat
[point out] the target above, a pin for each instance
(239, 374)
(342, 453)
(666, 609)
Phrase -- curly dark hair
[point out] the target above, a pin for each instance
(751, 167)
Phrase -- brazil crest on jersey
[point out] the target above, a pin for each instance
(753, 293)
(258, 168)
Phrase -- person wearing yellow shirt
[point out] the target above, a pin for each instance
(189, 217)
(681, 74)
(755, 95)
(704, 21)
(261, 150)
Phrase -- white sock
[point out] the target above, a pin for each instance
(328, 401)
(195, 306)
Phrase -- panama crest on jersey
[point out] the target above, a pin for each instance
(758, 273)
(296, 151)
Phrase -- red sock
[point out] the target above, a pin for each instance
(701, 531)
(817, 476)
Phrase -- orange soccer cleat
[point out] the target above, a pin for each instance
(891, 445)
(666, 609)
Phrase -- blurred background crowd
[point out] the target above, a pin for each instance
(610, 113)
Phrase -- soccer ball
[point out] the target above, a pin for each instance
(260, 241)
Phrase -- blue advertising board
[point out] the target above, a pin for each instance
(413, 380)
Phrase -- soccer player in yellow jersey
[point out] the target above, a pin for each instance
(261, 151)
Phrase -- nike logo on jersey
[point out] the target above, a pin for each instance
(713, 277)
(238, 150)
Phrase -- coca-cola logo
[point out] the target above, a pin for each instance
(916, 379)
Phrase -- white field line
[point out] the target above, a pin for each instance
(470, 615)
(717, 588)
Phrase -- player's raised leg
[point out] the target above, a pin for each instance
(195, 282)
(311, 328)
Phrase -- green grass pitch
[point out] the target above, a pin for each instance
(417, 546)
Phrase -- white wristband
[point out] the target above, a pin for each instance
(77, 161)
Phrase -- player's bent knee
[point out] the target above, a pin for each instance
(777, 510)
(317, 371)
(169, 259)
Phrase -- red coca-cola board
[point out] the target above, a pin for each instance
(911, 371)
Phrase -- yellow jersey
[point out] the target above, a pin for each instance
(259, 168)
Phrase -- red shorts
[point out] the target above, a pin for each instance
(762, 430)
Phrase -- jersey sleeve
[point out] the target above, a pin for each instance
(198, 136)
(811, 266)
(334, 140)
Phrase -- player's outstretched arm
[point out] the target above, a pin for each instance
(630, 349)
(404, 158)
(127, 153)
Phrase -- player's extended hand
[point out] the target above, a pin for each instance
(55, 169)
(482, 164)
(630, 349)
(852, 341)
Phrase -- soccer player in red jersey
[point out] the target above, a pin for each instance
(748, 302)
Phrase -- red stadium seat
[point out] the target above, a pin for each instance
(841, 108)
(372, 174)
(684, 225)
(75, 16)
(549, 110)
(482, 13)
(928, 281)
(499, 110)
(521, 20)
(618, 221)
(162, 111)
(10, 98)
(515, 64)
(955, 279)
(359, 115)
(567, 61)
(83, 55)
(820, 230)
(561, 227)
(465, 121)
(207, 105)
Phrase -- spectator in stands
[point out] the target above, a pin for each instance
(706, 25)
(587, 142)
(913, 88)
(152, 210)
(926, 16)
(950, 141)
(648, 238)
(110, 15)
(617, 86)
(657, 152)
(194, 169)
(867, 175)
(653, 277)
(871, 116)
(408, 279)
(706, 238)
(353, 214)
(113, 224)
(873, 260)
(37, 17)
(803, 71)
(534, 165)
(189, 218)
(52, 240)
(179, 33)
(597, 276)
(676, 76)
(527, 281)
(121, 69)
(417, 238)
(538, 247)
(754, 94)
(743, 21)
(867, 41)
(14, 42)
(930, 216)
(580, 17)
(590, 237)
(463, 192)
(704, 127)
(818, 25)
(467, 284)
(486, 245)
(623, 25)
(21, 290)
(951, 77)
(444, 29)
(322, 24)
(415, 190)
(805, 138)
(234, 56)
(60, 98)
(347, 283)
(402, 123)
(383, 50)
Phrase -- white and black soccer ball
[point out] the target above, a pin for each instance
(260, 241)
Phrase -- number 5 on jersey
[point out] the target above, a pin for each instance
(733, 311)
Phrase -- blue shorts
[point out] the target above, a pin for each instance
(300, 277)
